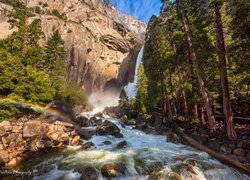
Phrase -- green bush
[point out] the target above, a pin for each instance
(7, 110)
(73, 95)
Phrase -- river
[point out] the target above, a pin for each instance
(144, 154)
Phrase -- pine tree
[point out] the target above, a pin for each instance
(123, 99)
(223, 71)
(142, 91)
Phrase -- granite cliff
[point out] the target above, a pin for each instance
(101, 42)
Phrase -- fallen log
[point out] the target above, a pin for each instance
(221, 157)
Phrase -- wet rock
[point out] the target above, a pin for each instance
(32, 129)
(89, 173)
(88, 145)
(248, 155)
(76, 141)
(107, 142)
(162, 175)
(85, 134)
(5, 127)
(113, 170)
(100, 115)
(173, 137)
(82, 121)
(14, 162)
(186, 170)
(107, 128)
(120, 135)
(122, 144)
(203, 138)
(123, 120)
(214, 144)
(239, 152)
(131, 122)
(225, 149)
(4, 155)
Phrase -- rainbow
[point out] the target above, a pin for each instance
(39, 108)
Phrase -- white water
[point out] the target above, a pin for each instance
(130, 89)
(141, 157)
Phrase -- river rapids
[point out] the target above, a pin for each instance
(145, 157)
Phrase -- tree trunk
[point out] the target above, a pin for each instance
(194, 103)
(172, 92)
(166, 102)
(228, 117)
(202, 86)
(183, 94)
(202, 115)
(221, 157)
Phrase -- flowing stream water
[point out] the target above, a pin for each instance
(144, 154)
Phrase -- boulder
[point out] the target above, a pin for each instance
(107, 142)
(113, 170)
(122, 144)
(173, 137)
(32, 129)
(85, 134)
(76, 141)
(5, 127)
(82, 121)
(225, 149)
(88, 145)
(14, 162)
(239, 152)
(248, 155)
(123, 120)
(107, 128)
(100, 115)
(120, 135)
(131, 122)
(4, 155)
(89, 173)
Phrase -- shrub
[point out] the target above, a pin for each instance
(73, 95)
(7, 110)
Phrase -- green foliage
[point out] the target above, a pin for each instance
(142, 91)
(14, 3)
(7, 110)
(56, 13)
(35, 86)
(30, 73)
(167, 57)
(72, 94)
(123, 99)
(10, 71)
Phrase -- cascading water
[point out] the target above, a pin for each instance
(146, 157)
(130, 89)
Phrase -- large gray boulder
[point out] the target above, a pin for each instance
(108, 128)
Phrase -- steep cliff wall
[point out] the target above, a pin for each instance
(97, 38)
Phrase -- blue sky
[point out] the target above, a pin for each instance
(141, 9)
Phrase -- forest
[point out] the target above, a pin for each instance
(196, 62)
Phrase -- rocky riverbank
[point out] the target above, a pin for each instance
(19, 138)
(153, 123)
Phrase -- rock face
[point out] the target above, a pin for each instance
(21, 137)
(98, 38)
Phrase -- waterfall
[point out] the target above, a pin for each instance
(130, 89)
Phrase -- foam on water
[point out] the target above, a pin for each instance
(143, 154)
